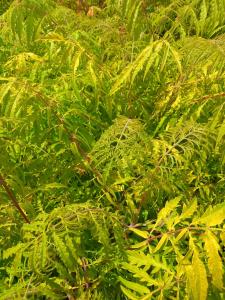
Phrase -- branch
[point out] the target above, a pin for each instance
(207, 97)
(173, 232)
(13, 198)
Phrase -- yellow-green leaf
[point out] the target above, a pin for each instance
(140, 245)
(140, 233)
(123, 77)
(77, 61)
(214, 260)
(201, 289)
(189, 210)
(162, 241)
(128, 293)
(213, 215)
(191, 280)
(169, 207)
(141, 289)
(181, 234)
(43, 250)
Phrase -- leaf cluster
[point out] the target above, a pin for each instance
(112, 138)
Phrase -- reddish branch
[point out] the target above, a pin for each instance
(207, 97)
(13, 198)
(199, 230)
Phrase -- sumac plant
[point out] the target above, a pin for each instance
(112, 138)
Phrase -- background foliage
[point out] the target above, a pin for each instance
(112, 132)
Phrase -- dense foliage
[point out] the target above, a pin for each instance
(112, 138)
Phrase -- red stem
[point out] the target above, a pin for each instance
(13, 198)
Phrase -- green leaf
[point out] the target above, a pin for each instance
(176, 58)
(63, 251)
(141, 289)
(139, 63)
(50, 186)
(221, 133)
(139, 232)
(141, 274)
(43, 250)
(129, 294)
(12, 250)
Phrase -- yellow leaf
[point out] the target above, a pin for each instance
(181, 234)
(123, 77)
(191, 280)
(140, 233)
(153, 55)
(147, 297)
(222, 236)
(200, 275)
(176, 58)
(213, 215)
(141, 61)
(140, 245)
(189, 210)
(77, 62)
(161, 242)
(128, 293)
(197, 284)
(214, 260)
(169, 207)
